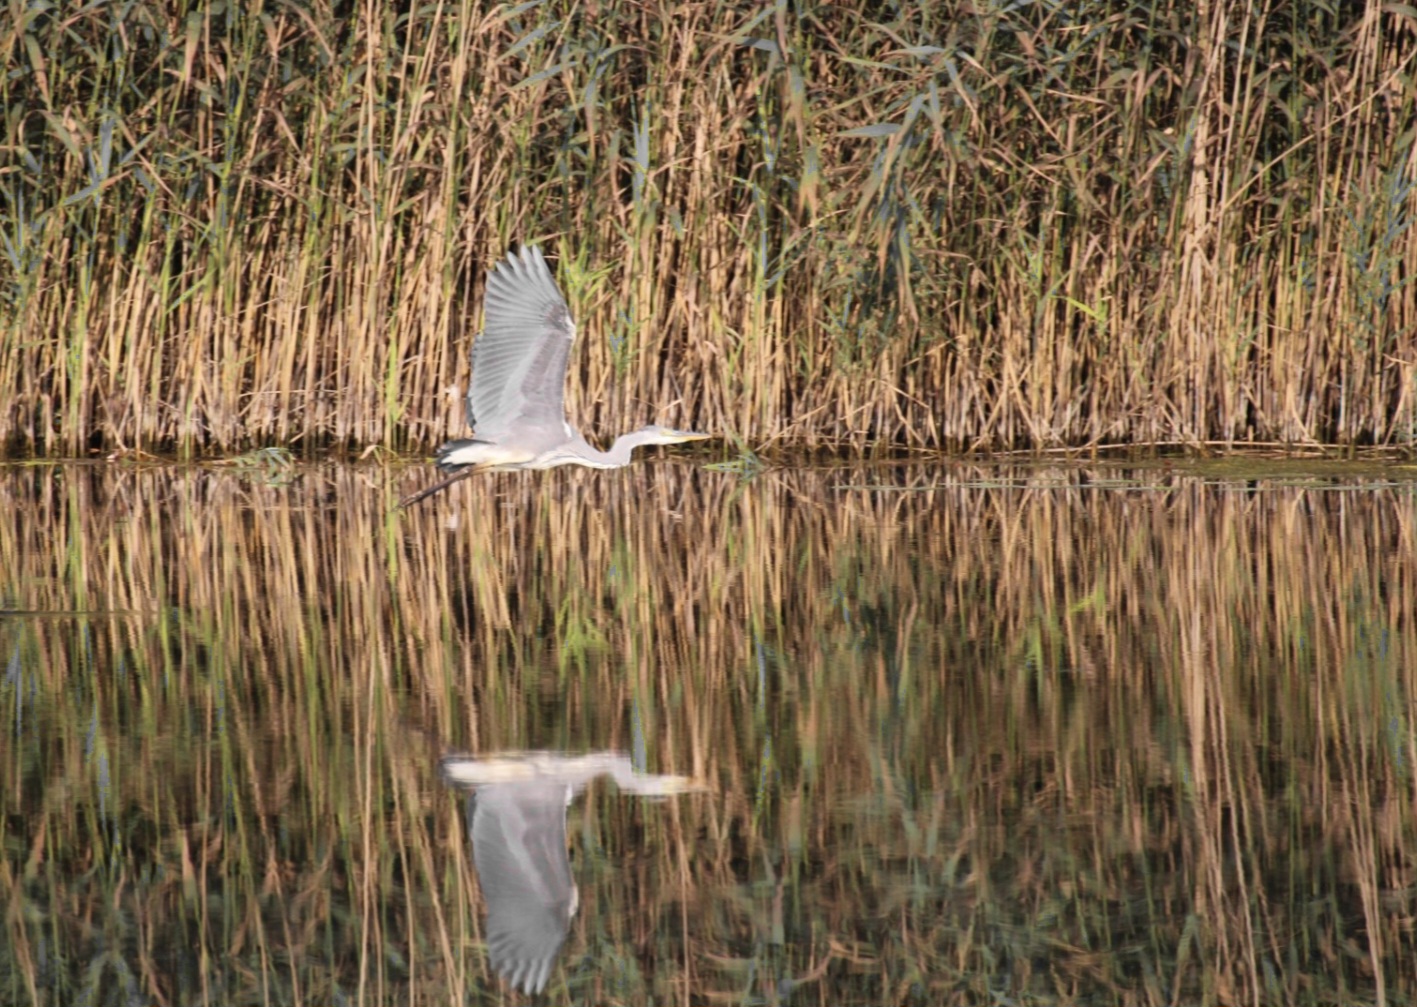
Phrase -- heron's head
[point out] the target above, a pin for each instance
(656, 434)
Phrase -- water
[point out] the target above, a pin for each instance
(965, 735)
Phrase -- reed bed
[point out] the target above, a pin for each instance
(946, 225)
(1061, 736)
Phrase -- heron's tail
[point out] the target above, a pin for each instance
(462, 459)
(456, 455)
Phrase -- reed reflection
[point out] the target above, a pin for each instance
(959, 723)
(516, 820)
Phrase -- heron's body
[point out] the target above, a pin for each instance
(577, 451)
(516, 401)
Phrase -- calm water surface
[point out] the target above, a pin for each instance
(961, 735)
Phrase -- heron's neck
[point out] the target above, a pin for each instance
(579, 452)
(619, 453)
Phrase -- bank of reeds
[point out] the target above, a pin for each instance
(970, 736)
(954, 225)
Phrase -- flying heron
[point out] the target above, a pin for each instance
(517, 820)
(516, 402)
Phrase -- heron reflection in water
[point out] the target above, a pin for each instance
(516, 402)
(517, 823)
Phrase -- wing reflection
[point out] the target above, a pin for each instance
(517, 823)
(519, 849)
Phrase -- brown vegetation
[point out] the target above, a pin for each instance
(974, 225)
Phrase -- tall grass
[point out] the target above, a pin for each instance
(948, 224)
(973, 735)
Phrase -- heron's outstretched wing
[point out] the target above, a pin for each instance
(518, 389)
(519, 849)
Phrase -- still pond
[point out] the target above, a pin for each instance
(956, 735)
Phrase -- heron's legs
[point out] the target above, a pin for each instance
(437, 487)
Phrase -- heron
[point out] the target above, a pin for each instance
(517, 821)
(516, 401)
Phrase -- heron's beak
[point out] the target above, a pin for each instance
(680, 436)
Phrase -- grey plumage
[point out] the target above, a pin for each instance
(519, 849)
(517, 822)
(516, 401)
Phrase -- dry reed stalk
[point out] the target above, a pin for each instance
(970, 227)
